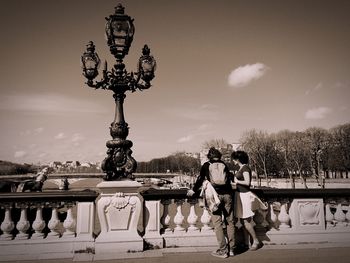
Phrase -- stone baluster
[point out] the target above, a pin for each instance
(347, 216)
(205, 220)
(7, 225)
(38, 224)
(192, 217)
(179, 218)
(264, 213)
(260, 220)
(283, 216)
(54, 223)
(339, 216)
(69, 223)
(329, 216)
(23, 224)
(272, 219)
(165, 220)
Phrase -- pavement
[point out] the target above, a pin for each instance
(273, 254)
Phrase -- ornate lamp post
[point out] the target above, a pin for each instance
(119, 164)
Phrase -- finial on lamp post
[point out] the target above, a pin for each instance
(119, 9)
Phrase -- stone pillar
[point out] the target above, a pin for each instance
(307, 215)
(151, 216)
(84, 243)
(118, 209)
(85, 221)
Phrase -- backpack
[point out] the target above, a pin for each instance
(217, 173)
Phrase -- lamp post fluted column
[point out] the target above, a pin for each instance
(119, 164)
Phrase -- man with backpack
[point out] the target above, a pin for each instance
(217, 173)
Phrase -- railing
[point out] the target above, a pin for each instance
(46, 224)
(293, 216)
(62, 224)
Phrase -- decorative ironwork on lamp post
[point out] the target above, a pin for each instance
(119, 164)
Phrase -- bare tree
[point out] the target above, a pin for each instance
(258, 145)
(339, 152)
(317, 141)
(217, 143)
(299, 153)
(283, 143)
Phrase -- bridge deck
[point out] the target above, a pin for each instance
(281, 254)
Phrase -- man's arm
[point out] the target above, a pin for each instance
(202, 176)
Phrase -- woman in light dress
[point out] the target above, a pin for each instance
(246, 202)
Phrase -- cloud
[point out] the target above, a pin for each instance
(39, 130)
(204, 127)
(25, 133)
(340, 85)
(19, 154)
(314, 89)
(48, 104)
(185, 139)
(197, 113)
(317, 113)
(242, 76)
(343, 108)
(60, 136)
(201, 130)
(32, 132)
(42, 155)
(76, 137)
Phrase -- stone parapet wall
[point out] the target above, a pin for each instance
(125, 218)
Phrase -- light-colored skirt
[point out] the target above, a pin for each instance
(246, 204)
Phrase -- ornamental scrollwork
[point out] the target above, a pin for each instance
(119, 201)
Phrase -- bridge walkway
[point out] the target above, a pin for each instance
(269, 254)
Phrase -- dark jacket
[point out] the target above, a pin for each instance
(204, 175)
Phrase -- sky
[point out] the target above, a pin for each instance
(223, 68)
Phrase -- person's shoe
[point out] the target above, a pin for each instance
(255, 246)
(233, 251)
(219, 254)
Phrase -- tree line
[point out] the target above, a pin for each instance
(314, 152)
(179, 162)
(9, 168)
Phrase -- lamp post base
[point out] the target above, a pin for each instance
(119, 209)
(119, 164)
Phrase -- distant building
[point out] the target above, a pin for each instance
(71, 164)
(203, 156)
(88, 165)
(55, 165)
(226, 152)
(235, 146)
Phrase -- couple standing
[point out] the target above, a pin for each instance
(240, 203)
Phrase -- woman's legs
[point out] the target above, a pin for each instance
(249, 227)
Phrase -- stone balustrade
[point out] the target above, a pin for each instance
(131, 219)
(294, 216)
(46, 225)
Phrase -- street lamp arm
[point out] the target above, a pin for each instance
(97, 84)
(120, 83)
